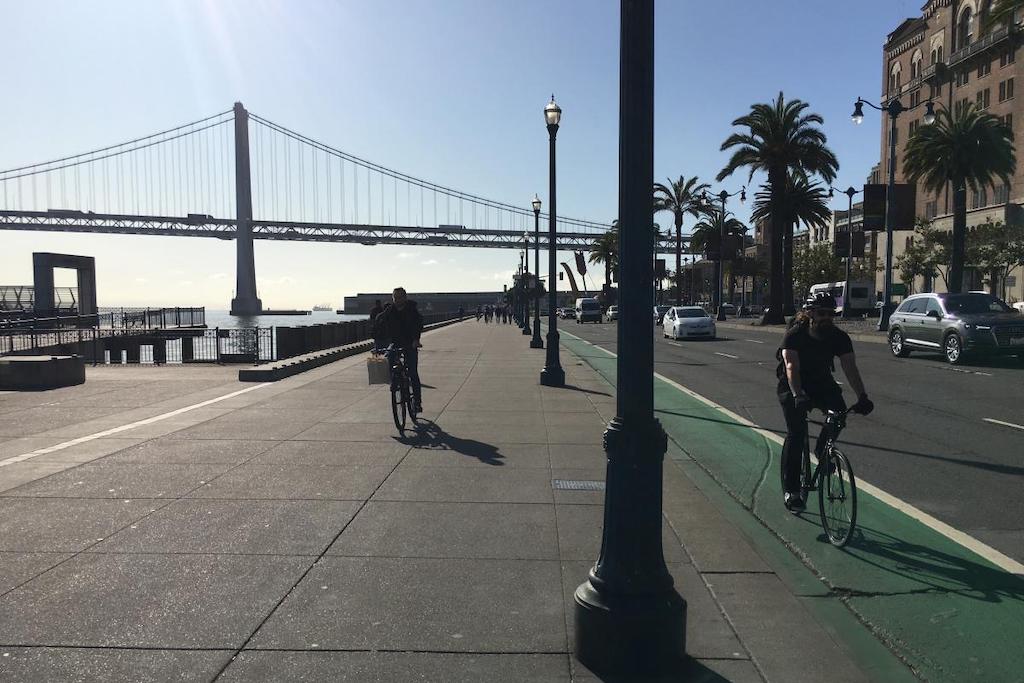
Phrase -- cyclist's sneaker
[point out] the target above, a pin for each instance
(418, 407)
(794, 502)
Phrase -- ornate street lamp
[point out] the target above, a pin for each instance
(849, 192)
(552, 375)
(722, 196)
(893, 108)
(525, 285)
(536, 342)
(630, 621)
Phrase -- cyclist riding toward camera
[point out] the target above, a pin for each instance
(805, 382)
(401, 324)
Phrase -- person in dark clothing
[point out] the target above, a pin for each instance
(401, 324)
(375, 312)
(805, 382)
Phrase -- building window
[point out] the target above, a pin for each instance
(931, 209)
(962, 78)
(979, 198)
(1001, 194)
(959, 106)
(965, 29)
(1008, 121)
(934, 92)
(983, 98)
(1006, 90)
(940, 52)
(984, 69)
(1008, 57)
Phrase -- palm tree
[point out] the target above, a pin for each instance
(968, 149)
(707, 237)
(779, 138)
(605, 250)
(680, 197)
(806, 202)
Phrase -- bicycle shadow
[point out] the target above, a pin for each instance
(427, 435)
(934, 571)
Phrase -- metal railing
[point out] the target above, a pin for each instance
(296, 341)
(120, 318)
(980, 45)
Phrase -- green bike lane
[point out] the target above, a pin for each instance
(947, 613)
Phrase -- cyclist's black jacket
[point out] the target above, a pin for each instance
(816, 357)
(401, 327)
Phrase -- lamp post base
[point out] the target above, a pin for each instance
(721, 314)
(526, 329)
(883, 317)
(536, 342)
(634, 636)
(552, 375)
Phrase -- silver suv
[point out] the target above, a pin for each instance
(956, 325)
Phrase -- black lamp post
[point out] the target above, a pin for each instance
(722, 196)
(536, 342)
(849, 192)
(552, 375)
(894, 108)
(526, 285)
(629, 618)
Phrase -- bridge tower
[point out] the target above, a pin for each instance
(245, 302)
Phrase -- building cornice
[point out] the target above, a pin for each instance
(932, 6)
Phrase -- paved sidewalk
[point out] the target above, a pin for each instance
(288, 533)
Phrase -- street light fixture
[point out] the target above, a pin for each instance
(536, 342)
(893, 108)
(722, 196)
(552, 375)
(630, 621)
(525, 282)
(849, 192)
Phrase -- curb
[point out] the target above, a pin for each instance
(293, 366)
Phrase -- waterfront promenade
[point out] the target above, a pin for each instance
(218, 530)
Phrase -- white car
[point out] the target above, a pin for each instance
(1019, 307)
(613, 312)
(688, 322)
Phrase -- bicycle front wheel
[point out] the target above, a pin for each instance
(398, 406)
(837, 498)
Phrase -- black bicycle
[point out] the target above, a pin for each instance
(402, 404)
(833, 479)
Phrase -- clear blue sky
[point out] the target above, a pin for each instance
(451, 91)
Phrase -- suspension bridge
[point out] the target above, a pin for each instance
(238, 176)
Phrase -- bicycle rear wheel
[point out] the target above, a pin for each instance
(398, 410)
(837, 498)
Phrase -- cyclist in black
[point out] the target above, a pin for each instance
(401, 325)
(805, 381)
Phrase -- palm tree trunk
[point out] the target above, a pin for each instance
(956, 264)
(679, 259)
(773, 314)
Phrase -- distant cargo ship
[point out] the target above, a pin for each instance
(323, 307)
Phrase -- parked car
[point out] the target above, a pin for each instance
(729, 309)
(569, 313)
(659, 313)
(683, 322)
(613, 312)
(1019, 307)
(957, 326)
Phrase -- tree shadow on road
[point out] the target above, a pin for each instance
(429, 436)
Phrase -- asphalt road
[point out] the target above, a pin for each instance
(928, 441)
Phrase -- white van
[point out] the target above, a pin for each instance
(859, 300)
(588, 310)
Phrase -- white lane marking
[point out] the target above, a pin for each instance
(756, 341)
(124, 428)
(1000, 422)
(964, 371)
(964, 540)
(727, 355)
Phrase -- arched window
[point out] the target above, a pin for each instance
(965, 29)
(986, 7)
(915, 65)
(895, 78)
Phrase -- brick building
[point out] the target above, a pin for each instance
(947, 56)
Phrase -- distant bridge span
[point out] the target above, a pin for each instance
(296, 231)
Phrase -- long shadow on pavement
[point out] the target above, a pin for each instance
(689, 669)
(429, 436)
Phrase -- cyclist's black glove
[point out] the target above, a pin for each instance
(803, 402)
(864, 406)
